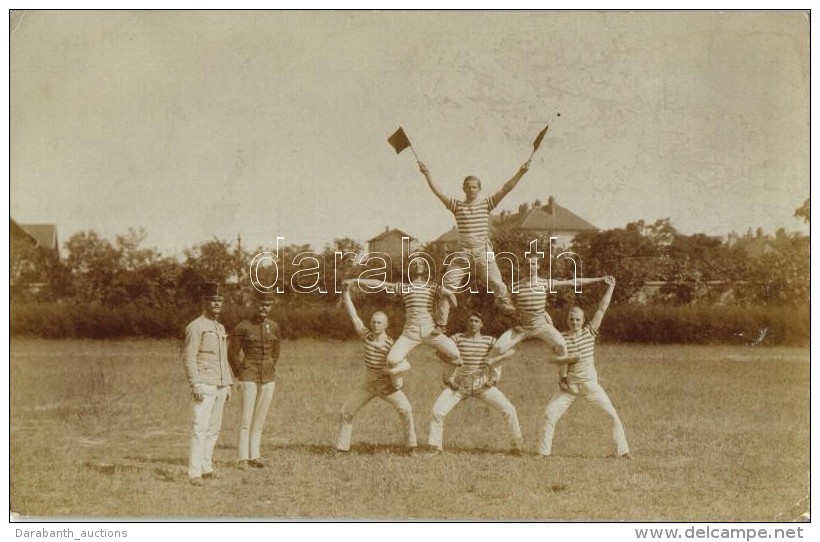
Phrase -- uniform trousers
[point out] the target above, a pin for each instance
(256, 400)
(207, 421)
(491, 396)
(561, 401)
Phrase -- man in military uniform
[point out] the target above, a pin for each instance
(253, 353)
(205, 357)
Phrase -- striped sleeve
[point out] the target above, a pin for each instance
(592, 330)
(491, 203)
(452, 204)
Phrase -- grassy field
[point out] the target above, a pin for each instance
(100, 430)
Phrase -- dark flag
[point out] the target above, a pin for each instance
(399, 140)
(539, 137)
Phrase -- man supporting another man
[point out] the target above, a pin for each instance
(476, 377)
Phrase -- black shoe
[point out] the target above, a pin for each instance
(258, 463)
(209, 475)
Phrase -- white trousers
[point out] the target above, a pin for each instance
(561, 401)
(493, 397)
(546, 333)
(207, 420)
(358, 399)
(414, 335)
(256, 400)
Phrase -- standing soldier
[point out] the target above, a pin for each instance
(258, 341)
(205, 357)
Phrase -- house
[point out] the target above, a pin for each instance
(539, 221)
(38, 235)
(31, 248)
(389, 242)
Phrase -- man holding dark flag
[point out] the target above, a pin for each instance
(473, 222)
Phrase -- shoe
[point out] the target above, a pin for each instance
(196, 481)
(411, 452)
(209, 475)
(626, 455)
(434, 452)
(543, 456)
(243, 465)
(339, 453)
(258, 463)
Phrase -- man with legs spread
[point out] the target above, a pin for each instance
(472, 217)
(253, 353)
(477, 377)
(377, 382)
(581, 379)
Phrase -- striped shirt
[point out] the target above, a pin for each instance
(582, 345)
(473, 219)
(471, 376)
(531, 299)
(419, 300)
(375, 353)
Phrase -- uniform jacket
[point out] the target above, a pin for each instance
(205, 354)
(259, 342)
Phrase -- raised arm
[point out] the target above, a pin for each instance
(603, 305)
(509, 185)
(358, 325)
(436, 190)
(580, 282)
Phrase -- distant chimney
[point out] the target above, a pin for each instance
(523, 208)
(551, 206)
(759, 232)
(386, 229)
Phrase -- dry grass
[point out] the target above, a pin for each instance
(99, 429)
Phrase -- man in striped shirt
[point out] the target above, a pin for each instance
(420, 296)
(476, 377)
(377, 382)
(530, 295)
(581, 379)
(473, 222)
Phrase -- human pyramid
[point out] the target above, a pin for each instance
(475, 360)
(213, 358)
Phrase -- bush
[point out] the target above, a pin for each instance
(659, 324)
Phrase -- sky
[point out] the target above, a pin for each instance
(210, 124)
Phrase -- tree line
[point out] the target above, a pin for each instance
(654, 264)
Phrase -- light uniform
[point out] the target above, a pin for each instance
(583, 382)
(472, 379)
(419, 303)
(530, 300)
(473, 223)
(376, 383)
(205, 357)
(259, 342)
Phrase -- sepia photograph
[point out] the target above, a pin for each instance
(409, 266)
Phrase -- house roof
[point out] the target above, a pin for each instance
(16, 231)
(553, 217)
(45, 234)
(389, 233)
